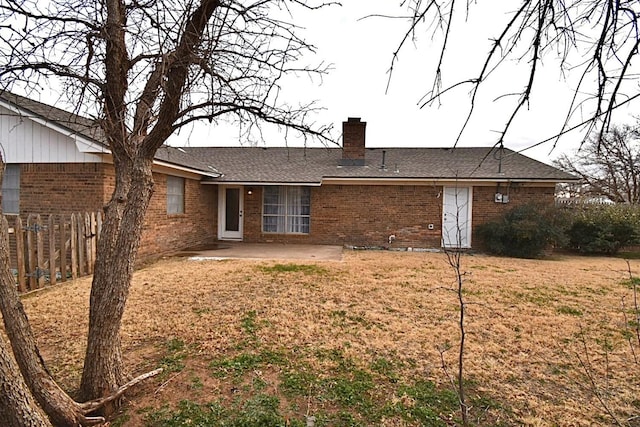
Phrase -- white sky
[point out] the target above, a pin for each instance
(361, 51)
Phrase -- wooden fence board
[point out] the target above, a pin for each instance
(64, 245)
(31, 252)
(73, 245)
(87, 242)
(20, 261)
(40, 268)
(51, 225)
(82, 254)
(62, 228)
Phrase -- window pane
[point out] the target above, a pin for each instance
(232, 212)
(286, 209)
(11, 189)
(270, 224)
(175, 195)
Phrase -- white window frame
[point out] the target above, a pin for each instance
(175, 195)
(287, 221)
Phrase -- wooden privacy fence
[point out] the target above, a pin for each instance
(62, 247)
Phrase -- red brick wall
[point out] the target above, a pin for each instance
(359, 215)
(366, 215)
(63, 188)
(163, 233)
(485, 208)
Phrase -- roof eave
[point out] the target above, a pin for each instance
(430, 180)
(257, 183)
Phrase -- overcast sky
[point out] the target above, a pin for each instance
(361, 52)
(360, 45)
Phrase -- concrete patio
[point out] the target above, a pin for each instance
(275, 251)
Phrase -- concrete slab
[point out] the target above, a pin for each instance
(276, 251)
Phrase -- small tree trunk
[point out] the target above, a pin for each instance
(121, 231)
(18, 408)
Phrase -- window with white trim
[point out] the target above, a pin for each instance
(11, 189)
(286, 209)
(175, 195)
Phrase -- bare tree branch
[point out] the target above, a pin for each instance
(604, 32)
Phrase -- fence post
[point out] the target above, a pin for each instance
(52, 250)
(98, 225)
(73, 228)
(87, 241)
(31, 248)
(94, 238)
(40, 251)
(82, 263)
(63, 248)
(19, 233)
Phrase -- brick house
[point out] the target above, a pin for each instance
(399, 197)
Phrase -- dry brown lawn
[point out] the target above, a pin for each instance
(530, 324)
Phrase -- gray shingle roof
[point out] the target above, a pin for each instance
(83, 126)
(312, 165)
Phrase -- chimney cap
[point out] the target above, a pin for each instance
(353, 119)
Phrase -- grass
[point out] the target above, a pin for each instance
(173, 361)
(354, 396)
(355, 343)
(563, 309)
(308, 269)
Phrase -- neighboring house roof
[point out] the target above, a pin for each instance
(88, 130)
(315, 165)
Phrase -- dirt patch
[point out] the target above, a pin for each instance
(535, 326)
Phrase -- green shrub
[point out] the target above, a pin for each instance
(604, 229)
(525, 231)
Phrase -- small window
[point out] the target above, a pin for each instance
(286, 210)
(175, 195)
(11, 189)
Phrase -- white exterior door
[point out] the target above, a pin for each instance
(230, 207)
(456, 217)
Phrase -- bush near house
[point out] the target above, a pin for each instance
(604, 229)
(527, 231)
(524, 232)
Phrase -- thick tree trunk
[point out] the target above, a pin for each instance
(56, 403)
(18, 408)
(119, 240)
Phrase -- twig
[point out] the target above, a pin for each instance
(636, 309)
(626, 326)
(93, 405)
(164, 384)
(586, 366)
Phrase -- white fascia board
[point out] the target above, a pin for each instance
(84, 145)
(185, 169)
(433, 181)
(263, 183)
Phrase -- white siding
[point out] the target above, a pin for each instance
(25, 141)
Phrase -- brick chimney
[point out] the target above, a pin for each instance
(353, 132)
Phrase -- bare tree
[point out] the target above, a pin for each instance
(608, 166)
(595, 40)
(145, 69)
